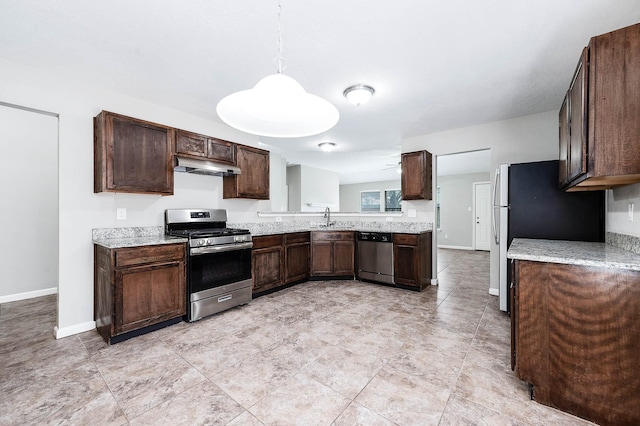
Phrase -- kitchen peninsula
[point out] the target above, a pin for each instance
(575, 329)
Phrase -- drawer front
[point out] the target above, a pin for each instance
(264, 241)
(332, 235)
(149, 254)
(297, 237)
(405, 239)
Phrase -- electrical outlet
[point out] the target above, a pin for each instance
(121, 214)
(278, 218)
(411, 213)
(630, 212)
(389, 219)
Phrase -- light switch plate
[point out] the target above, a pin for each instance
(630, 212)
(121, 214)
(411, 213)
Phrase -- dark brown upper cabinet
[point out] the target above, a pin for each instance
(190, 144)
(253, 182)
(132, 155)
(416, 175)
(600, 117)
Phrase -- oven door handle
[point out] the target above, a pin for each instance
(196, 251)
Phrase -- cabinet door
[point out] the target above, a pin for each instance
(132, 155)
(416, 176)
(191, 144)
(405, 268)
(267, 268)
(343, 257)
(253, 182)
(322, 258)
(563, 136)
(296, 262)
(221, 151)
(577, 164)
(147, 295)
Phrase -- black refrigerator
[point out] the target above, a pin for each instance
(527, 203)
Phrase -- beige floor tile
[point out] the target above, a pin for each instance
(245, 419)
(405, 399)
(301, 401)
(357, 415)
(202, 404)
(343, 371)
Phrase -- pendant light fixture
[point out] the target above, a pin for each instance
(278, 106)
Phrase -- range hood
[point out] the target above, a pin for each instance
(205, 167)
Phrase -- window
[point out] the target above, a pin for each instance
(369, 201)
(392, 200)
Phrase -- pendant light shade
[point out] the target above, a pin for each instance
(278, 107)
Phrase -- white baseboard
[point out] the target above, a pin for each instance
(74, 329)
(434, 281)
(494, 291)
(455, 247)
(28, 295)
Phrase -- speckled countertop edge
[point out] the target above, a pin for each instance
(574, 253)
(154, 235)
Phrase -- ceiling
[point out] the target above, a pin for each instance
(435, 65)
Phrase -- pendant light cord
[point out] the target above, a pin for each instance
(280, 62)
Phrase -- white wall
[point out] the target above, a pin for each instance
(29, 176)
(456, 209)
(309, 185)
(350, 194)
(617, 219)
(523, 139)
(80, 210)
(278, 183)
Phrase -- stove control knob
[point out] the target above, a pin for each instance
(201, 242)
(209, 241)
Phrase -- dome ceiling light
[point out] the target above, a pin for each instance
(359, 94)
(327, 146)
(278, 106)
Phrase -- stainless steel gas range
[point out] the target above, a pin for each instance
(219, 260)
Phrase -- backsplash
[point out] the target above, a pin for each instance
(625, 242)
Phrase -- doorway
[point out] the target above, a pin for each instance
(30, 196)
(482, 215)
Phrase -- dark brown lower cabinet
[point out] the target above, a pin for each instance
(332, 253)
(267, 262)
(412, 260)
(138, 287)
(576, 337)
(296, 256)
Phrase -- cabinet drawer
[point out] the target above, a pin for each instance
(332, 236)
(263, 241)
(297, 237)
(149, 254)
(405, 239)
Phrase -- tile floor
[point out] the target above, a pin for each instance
(333, 352)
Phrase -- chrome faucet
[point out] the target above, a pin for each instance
(327, 215)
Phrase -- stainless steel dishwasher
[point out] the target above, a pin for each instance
(375, 257)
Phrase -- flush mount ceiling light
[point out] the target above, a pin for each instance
(327, 146)
(358, 94)
(278, 106)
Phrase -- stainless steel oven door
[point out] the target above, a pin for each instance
(216, 266)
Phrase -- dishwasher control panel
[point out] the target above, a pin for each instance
(379, 237)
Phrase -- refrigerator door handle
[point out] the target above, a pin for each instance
(496, 208)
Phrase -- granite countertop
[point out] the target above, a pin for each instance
(271, 228)
(148, 236)
(133, 237)
(574, 253)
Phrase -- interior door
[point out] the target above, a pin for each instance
(482, 207)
